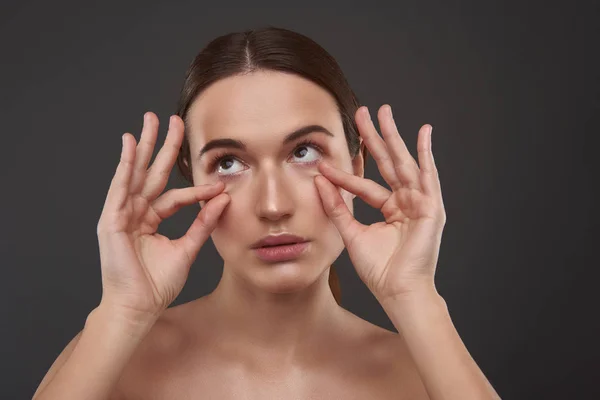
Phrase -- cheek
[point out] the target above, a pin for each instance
(307, 192)
(233, 217)
(310, 204)
(232, 228)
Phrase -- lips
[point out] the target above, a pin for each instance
(282, 252)
(278, 240)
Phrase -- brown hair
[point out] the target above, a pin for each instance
(276, 49)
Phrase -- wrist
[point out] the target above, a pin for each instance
(415, 297)
(413, 311)
(131, 322)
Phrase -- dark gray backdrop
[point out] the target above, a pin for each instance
(512, 92)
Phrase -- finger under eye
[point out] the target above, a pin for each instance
(369, 191)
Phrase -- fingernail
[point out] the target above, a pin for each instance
(389, 110)
(368, 113)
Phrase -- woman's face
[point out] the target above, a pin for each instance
(270, 180)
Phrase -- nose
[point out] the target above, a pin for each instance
(274, 196)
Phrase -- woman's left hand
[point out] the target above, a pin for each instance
(399, 255)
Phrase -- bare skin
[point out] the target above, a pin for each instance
(268, 331)
(246, 340)
(182, 358)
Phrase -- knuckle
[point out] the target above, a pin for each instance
(100, 228)
(338, 210)
(169, 198)
(126, 161)
(174, 203)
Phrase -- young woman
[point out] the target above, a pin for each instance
(273, 142)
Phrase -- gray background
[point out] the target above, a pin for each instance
(512, 92)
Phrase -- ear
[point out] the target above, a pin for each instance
(358, 163)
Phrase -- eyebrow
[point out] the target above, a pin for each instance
(238, 144)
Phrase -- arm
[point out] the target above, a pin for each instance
(400, 274)
(447, 369)
(91, 364)
(142, 273)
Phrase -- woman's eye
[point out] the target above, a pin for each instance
(225, 166)
(305, 155)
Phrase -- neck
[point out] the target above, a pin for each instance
(274, 328)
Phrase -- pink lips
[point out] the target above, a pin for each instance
(284, 252)
(283, 238)
(281, 247)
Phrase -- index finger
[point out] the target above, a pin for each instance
(173, 200)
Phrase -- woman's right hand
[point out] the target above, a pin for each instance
(142, 271)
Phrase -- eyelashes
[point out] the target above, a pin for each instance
(218, 158)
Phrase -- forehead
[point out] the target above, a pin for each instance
(258, 104)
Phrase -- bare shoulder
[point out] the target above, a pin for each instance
(385, 361)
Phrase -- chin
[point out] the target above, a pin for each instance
(286, 277)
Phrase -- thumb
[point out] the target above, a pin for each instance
(203, 225)
(337, 210)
